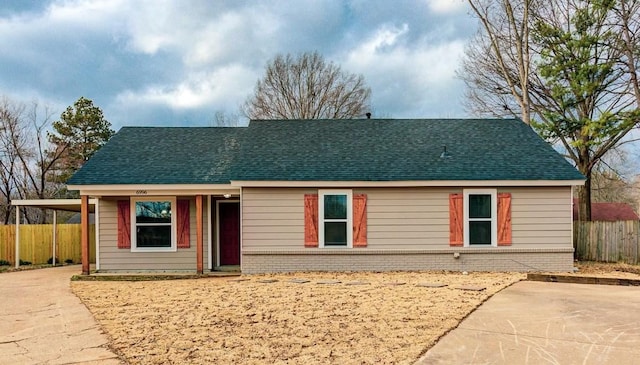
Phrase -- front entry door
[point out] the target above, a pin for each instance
(229, 233)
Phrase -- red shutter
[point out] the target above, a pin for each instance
(311, 220)
(184, 232)
(124, 224)
(504, 219)
(360, 220)
(456, 220)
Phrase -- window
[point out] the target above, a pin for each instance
(480, 222)
(335, 218)
(153, 221)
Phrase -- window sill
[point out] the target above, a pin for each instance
(154, 249)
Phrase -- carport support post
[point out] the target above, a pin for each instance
(17, 254)
(55, 236)
(84, 224)
(199, 235)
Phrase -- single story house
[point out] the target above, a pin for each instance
(325, 195)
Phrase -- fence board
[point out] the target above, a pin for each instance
(607, 241)
(36, 242)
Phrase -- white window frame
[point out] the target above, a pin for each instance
(134, 236)
(494, 215)
(349, 220)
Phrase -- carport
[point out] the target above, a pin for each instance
(69, 205)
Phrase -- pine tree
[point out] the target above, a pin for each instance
(80, 132)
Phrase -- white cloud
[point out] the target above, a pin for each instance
(407, 77)
(386, 36)
(149, 57)
(446, 6)
(87, 14)
(201, 89)
(231, 35)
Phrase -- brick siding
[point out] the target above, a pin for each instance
(497, 259)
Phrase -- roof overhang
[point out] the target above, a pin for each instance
(416, 183)
(154, 189)
(69, 205)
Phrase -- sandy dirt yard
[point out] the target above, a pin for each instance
(335, 318)
(608, 270)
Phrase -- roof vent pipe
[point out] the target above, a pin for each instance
(444, 153)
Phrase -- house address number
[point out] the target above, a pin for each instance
(141, 192)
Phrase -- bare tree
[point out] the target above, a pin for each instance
(12, 143)
(612, 179)
(307, 87)
(37, 159)
(27, 158)
(503, 49)
(222, 119)
(576, 61)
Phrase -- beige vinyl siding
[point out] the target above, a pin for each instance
(411, 218)
(113, 259)
(396, 218)
(273, 218)
(541, 217)
(406, 218)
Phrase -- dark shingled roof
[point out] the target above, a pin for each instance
(168, 155)
(398, 150)
(328, 150)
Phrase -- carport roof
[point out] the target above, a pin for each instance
(69, 205)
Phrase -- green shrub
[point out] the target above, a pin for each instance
(50, 261)
(4, 263)
(26, 263)
(68, 261)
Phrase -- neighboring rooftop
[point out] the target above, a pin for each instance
(328, 150)
(609, 212)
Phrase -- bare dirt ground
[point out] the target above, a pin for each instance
(608, 270)
(388, 318)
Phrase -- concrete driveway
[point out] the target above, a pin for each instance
(547, 323)
(43, 322)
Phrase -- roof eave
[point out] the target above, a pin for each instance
(154, 189)
(411, 183)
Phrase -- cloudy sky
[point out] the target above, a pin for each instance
(177, 62)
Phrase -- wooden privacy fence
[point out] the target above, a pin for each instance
(36, 243)
(607, 241)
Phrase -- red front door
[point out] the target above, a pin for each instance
(229, 218)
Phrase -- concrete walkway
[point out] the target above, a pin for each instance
(547, 323)
(43, 322)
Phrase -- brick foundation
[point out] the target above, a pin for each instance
(495, 259)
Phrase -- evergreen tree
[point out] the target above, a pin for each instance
(80, 132)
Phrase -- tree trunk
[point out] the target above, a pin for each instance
(584, 202)
(7, 213)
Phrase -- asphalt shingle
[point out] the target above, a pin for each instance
(167, 155)
(327, 150)
(398, 150)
